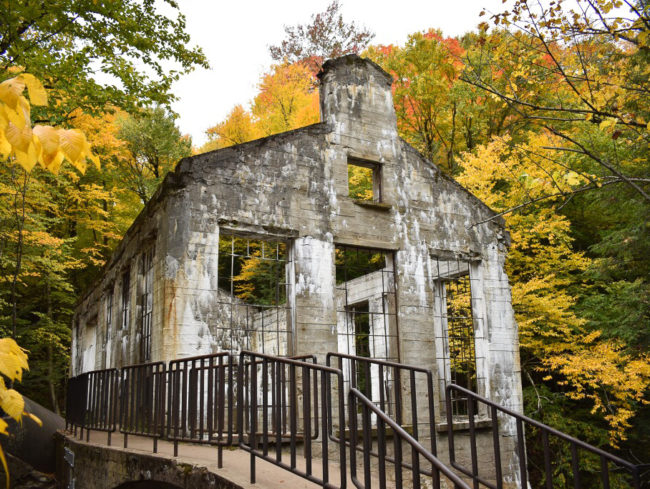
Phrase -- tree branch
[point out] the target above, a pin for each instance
(601, 162)
(570, 194)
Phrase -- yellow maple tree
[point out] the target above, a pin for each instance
(26, 145)
(543, 268)
(287, 100)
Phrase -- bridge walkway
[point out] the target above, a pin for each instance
(236, 462)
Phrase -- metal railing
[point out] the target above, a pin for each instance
(399, 434)
(304, 417)
(75, 403)
(200, 401)
(281, 403)
(393, 388)
(496, 412)
(142, 406)
(102, 401)
(275, 392)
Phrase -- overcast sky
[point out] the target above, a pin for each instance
(235, 36)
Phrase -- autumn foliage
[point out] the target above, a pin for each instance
(45, 145)
(542, 112)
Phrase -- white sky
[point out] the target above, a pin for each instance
(235, 36)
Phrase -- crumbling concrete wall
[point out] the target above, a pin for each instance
(95, 467)
(294, 187)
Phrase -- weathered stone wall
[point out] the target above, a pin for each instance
(294, 187)
(95, 467)
(120, 346)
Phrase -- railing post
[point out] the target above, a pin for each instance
(253, 427)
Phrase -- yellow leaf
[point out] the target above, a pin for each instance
(77, 149)
(94, 159)
(13, 359)
(36, 419)
(37, 93)
(4, 116)
(22, 142)
(5, 147)
(27, 159)
(15, 69)
(51, 155)
(607, 123)
(12, 403)
(20, 115)
(72, 142)
(54, 164)
(4, 460)
(10, 92)
(572, 178)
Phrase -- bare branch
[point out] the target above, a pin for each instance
(570, 194)
(601, 162)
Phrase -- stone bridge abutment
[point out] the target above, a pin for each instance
(89, 466)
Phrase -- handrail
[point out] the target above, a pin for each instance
(142, 403)
(407, 395)
(387, 363)
(101, 409)
(200, 401)
(546, 430)
(254, 393)
(402, 434)
(297, 402)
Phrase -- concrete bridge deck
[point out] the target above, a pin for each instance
(97, 465)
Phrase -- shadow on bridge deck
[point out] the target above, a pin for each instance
(94, 464)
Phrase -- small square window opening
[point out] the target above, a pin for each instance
(364, 180)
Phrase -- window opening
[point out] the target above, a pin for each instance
(366, 314)
(126, 303)
(360, 319)
(254, 311)
(364, 180)
(147, 304)
(109, 314)
(457, 321)
(90, 339)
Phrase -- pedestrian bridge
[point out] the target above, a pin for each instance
(255, 420)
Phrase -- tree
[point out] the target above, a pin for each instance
(238, 127)
(46, 145)
(73, 45)
(579, 67)
(437, 113)
(579, 73)
(564, 356)
(286, 100)
(24, 146)
(327, 36)
(58, 225)
(155, 145)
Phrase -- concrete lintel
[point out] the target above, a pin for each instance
(244, 229)
(366, 243)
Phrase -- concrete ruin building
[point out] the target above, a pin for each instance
(272, 246)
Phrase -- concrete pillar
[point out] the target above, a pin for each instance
(416, 324)
(190, 296)
(314, 310)
(503, 382)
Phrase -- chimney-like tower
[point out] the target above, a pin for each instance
(356, 92)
